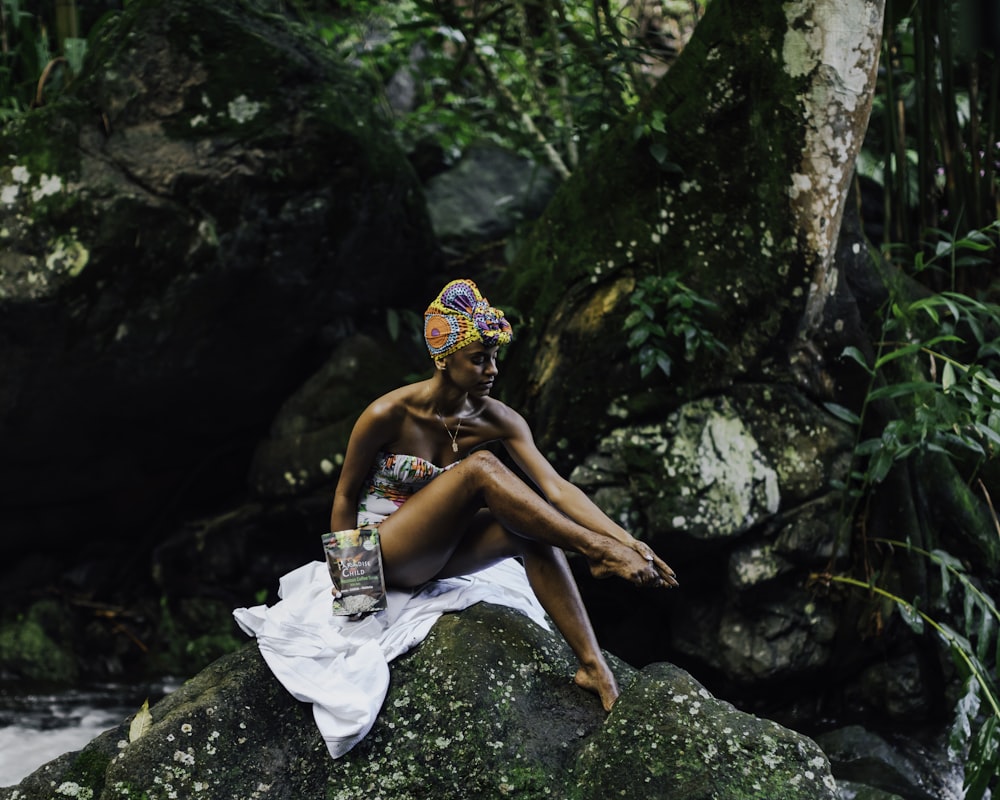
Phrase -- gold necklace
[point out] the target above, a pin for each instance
(452, 436)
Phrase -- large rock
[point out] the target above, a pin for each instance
(485, 707)
(183, 236)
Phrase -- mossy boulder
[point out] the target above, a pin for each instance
(185, 234)
(484, 707)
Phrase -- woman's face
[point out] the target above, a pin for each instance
(473, 368)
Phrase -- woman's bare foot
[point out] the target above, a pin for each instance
(636, 562)
(600, 680)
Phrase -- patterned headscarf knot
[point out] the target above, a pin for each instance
(459, 316)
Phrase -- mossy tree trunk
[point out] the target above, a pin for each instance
(764, 114)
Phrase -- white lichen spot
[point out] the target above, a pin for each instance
(68, 256)
(678, 522)
(242, 109)
(185, 758)
(73, 789)
(186, 728)
(47, 186)
(800, 185)
(198, 119)
(326, 466)
(8, 194)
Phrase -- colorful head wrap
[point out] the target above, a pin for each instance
(459, 316)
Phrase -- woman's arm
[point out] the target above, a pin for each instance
(562, 494)
(375, 427)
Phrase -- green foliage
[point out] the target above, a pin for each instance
(974, 738)
(935, 376)
(954, 406)
(30, 63)
(25, 54)
(540, 77)
(191, 638)
(932, 139)
(651, 126)
(668, 321)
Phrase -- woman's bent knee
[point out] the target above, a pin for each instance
(486, 463)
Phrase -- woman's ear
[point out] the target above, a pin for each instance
(439, 363)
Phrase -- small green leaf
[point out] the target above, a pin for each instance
(842, 413)
(947, 376)
(896, 390)
(638, 337)
(880, 465)
(857, 355)
(633, 319)
(658, 151)
(911, 617)
(892, 355)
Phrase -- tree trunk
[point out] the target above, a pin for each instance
(764, 115)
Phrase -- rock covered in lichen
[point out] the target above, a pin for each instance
(736, 491)
(670, 738)
(484, 707)
(721, 466)
(213, 202)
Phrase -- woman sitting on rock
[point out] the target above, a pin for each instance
(471, 511)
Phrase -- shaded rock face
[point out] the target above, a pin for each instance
(182, 239)
(486, 196)
(735, 492)
(484, 707)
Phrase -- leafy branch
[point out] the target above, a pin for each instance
(668, 321)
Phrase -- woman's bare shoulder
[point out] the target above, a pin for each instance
(392, 408)
(501, 416)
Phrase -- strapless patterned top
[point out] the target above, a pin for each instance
(393, 480)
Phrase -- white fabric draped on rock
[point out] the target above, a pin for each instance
(342, 666)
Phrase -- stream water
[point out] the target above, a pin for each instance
(37, 725)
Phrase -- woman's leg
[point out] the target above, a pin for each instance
(421, 537)
(487, 541)
(553, 585)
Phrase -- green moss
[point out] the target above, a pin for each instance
(87, 773)
(31, 648)
(718, 219)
